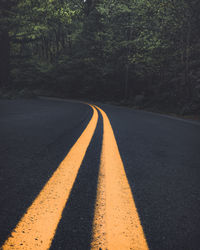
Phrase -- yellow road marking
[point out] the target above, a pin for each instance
(37, 227)
(116, 223)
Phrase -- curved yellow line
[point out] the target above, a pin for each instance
(37, 227)
(116, 224)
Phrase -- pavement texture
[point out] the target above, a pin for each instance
(161, 157)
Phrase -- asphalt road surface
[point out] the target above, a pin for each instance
(74, 177)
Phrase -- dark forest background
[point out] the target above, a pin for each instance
(144, 53)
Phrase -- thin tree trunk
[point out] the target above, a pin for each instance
(126, 83)
(187, 58)
(4, 58)
(126, 87)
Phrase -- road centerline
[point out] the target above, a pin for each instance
(116, 223)
(37, 227)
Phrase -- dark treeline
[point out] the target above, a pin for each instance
(142, 52)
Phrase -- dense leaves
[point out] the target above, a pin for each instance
(144, 52)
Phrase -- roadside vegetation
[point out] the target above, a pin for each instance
(143, 53)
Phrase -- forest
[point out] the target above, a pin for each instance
(143, 53)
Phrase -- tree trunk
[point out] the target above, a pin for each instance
(4, 58)
(187, 61)
(126, 83)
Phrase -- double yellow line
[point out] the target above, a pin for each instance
(116, 223)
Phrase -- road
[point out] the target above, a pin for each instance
(79, 176)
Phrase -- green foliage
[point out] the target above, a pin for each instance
(106, 49)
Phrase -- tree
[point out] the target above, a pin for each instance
(105, 49)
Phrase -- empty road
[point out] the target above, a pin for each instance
(80, 176)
